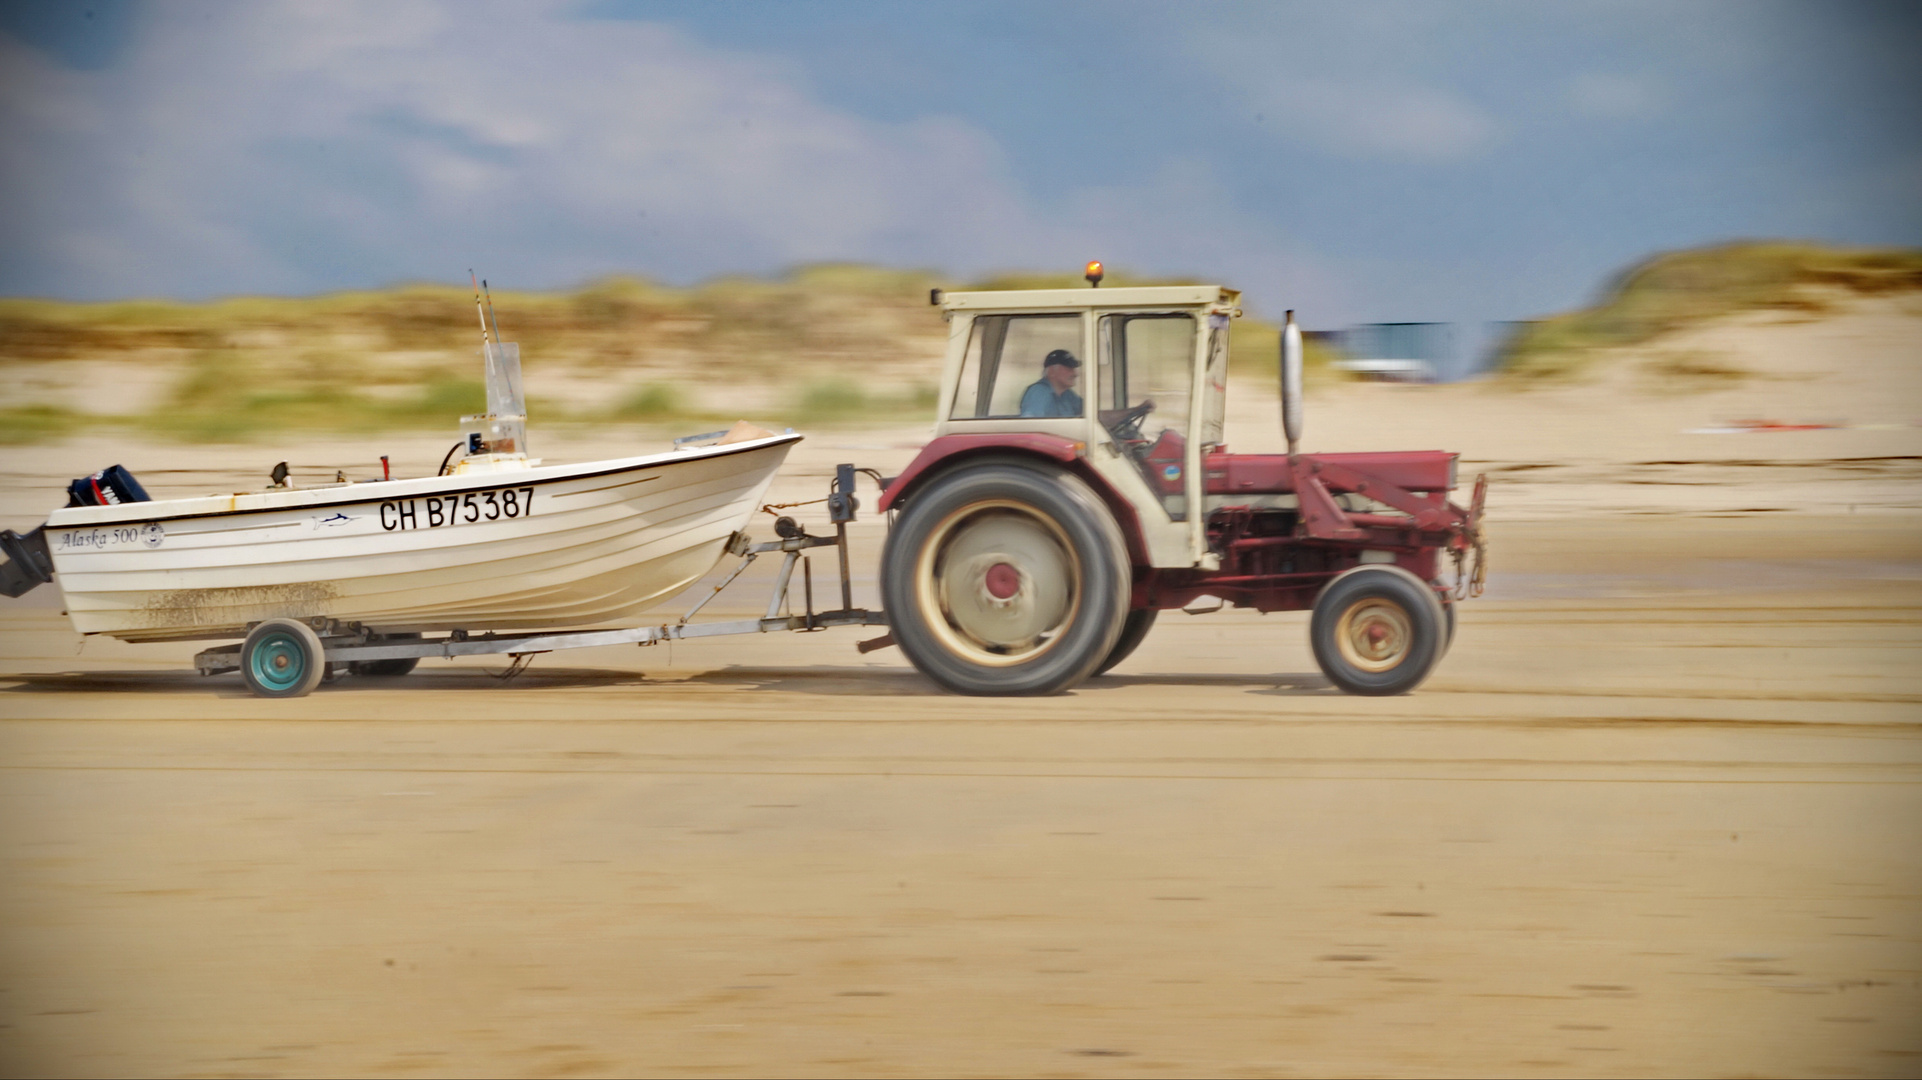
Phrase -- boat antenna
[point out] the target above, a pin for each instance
(490, 311)
(477, 307)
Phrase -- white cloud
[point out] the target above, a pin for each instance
(268, 146)
(293, 148)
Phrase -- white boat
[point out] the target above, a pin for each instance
(498, 546)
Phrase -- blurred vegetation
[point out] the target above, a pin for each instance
(829, 400)
(406, 358)
(223, 395)
(1685, 288)
(610, 320)
(1690, 370)
(831, 344)
(650, 401)
(36, 423)
(840, 401)
(1254, 352)
(823, 345)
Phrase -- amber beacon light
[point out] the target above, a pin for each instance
(1094, 274)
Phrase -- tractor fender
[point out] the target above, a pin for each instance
(950, 448)
(950, 451)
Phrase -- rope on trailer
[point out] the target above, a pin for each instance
(771, 508)
(774, 508)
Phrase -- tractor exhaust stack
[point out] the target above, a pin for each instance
(1291, 382)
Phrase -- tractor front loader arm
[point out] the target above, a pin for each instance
(1431, 517)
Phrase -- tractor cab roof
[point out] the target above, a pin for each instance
(1063, 299)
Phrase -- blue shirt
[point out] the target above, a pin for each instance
(1041, 400)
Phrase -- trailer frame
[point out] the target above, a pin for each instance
(345, 643)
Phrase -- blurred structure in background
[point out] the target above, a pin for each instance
(1421, 352)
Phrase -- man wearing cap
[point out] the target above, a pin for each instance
(1053, 393)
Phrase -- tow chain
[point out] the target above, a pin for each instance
(1470, 582)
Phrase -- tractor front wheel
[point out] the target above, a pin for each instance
(1377, 630)
(1006, 578)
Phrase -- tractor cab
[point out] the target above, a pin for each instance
(1134, 378)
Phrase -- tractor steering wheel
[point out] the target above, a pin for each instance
(1127, 426)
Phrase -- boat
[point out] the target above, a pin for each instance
(590, 544)
(497, 541)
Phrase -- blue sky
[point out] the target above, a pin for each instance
(1355, 161)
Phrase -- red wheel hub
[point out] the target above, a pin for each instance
(1003, 581)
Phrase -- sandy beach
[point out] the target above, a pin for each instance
(1657, 812)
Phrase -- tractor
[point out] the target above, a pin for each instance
(1053, 516)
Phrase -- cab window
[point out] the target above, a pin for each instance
(1005, 360)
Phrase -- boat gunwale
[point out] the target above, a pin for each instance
(359, 493)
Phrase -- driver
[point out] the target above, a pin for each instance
(1053, 393)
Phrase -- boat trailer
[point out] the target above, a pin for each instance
(342, 644)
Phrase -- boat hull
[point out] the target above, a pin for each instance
(595, 544)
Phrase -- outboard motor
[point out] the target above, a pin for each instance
(29, 564)
(111, 486)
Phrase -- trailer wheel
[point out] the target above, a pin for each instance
(1377, 630)
(1140, 621)
(282, 658)
(386, 669)
(1006, 579)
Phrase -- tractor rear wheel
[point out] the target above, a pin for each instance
(1006, 578)
(1140, 621)
(1377, 630)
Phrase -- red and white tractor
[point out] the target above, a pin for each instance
(1030, 552)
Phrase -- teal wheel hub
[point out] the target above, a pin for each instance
(282, 658)
(279, 663)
